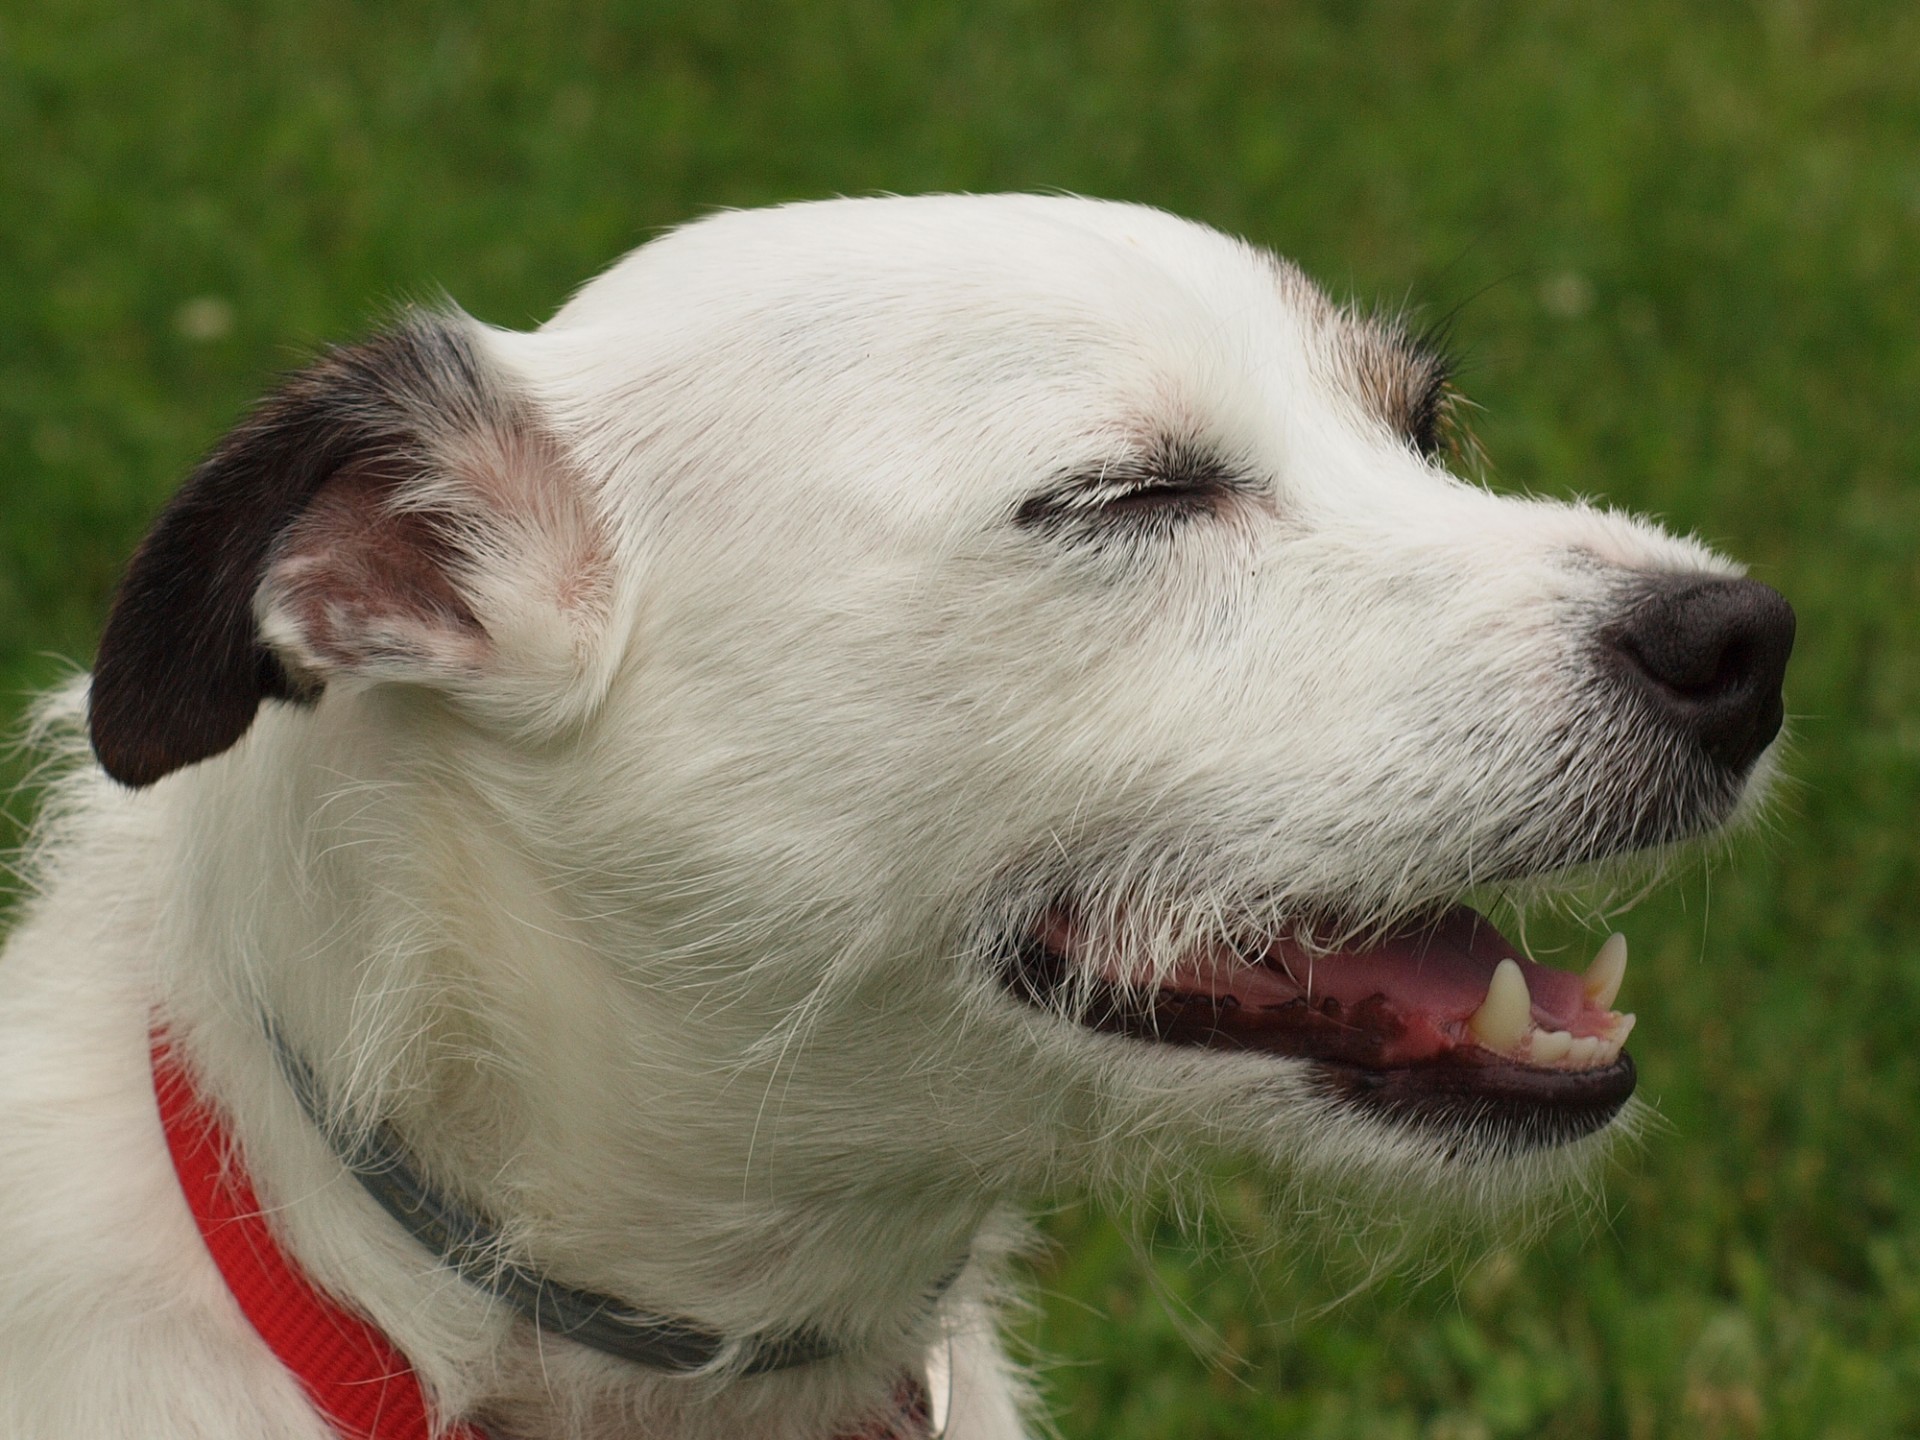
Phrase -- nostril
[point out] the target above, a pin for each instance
(1710, 653)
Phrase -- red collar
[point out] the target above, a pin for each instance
(351, 1372)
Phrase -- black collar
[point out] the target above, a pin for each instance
(473, 1247)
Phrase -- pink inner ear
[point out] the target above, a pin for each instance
(356, 585)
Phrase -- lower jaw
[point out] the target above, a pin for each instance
(1464, 1096)
(1492, 1103)
(1464, 1093)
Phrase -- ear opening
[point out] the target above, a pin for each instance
(396, 513)
(360, 585)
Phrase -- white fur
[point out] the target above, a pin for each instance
(661, 924)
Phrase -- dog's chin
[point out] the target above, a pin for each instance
(1441, 1026)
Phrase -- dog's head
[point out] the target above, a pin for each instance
(1015, 675)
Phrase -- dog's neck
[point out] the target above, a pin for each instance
(613, 1138)
(471, 1244)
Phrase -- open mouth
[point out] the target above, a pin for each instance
(1442, 1023)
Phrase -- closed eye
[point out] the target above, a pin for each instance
(1125, 498)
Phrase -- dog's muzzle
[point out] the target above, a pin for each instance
(1440, 1021)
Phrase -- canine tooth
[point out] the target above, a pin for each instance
(1608, 969)
(1550, 1045)
(1503, 1017)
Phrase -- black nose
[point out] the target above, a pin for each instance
(1710, 654)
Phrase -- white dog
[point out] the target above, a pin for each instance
(649, 838)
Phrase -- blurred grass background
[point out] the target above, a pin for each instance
(1686, 243)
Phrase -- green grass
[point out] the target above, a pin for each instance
(1687, 239)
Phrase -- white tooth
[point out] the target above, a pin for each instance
(1582, 1052)
(1550, 1045)
(1608, 969)
(1503, 1017)
(1622, 1027)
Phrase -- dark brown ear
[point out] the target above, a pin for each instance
(316, 490)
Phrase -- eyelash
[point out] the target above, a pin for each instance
(1427, 418)
(1427, 422)
(1127, 501)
